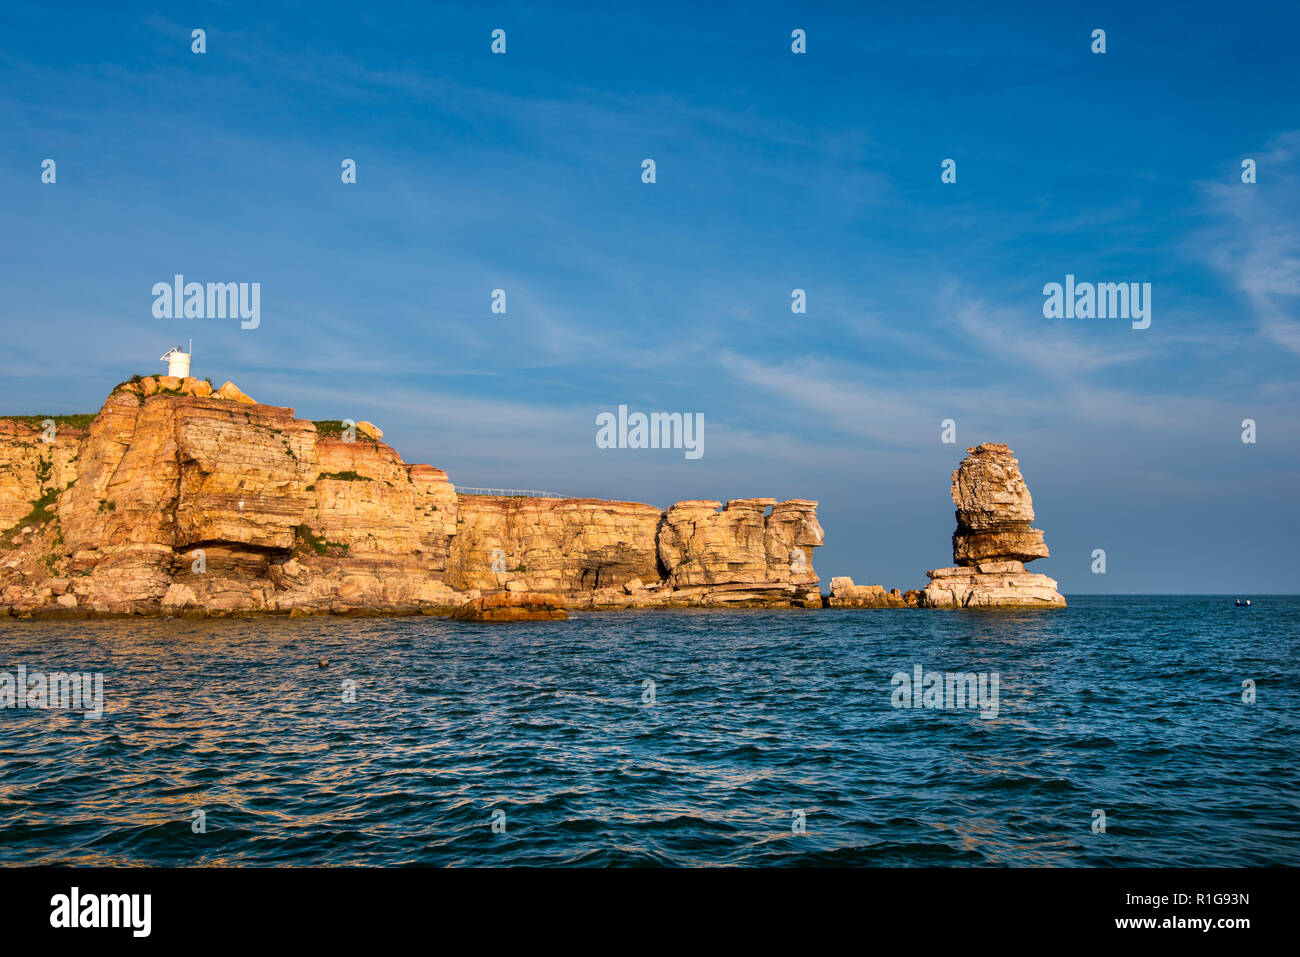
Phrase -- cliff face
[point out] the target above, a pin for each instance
(993, 539)
(181, 500)
(707, 543)
(34, 461)
(162, 475)
(552, 545)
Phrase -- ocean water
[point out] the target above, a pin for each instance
(760, 721)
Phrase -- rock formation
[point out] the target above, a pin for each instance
(513, 606)
(739, 552)
(845, 594)
(180, 499)
(993, 539)
(551, 545)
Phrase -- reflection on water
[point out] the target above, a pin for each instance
(1131, 705)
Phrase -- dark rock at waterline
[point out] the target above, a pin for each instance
(513, 606)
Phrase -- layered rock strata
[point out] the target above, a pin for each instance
(993, 539)
(551, 545)
(512, 606)
(36, 460)
(180, 499)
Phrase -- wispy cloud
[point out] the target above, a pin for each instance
(1256, 242)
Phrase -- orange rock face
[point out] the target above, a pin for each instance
(34, 459)
(182, 500)
(513, 606)
(554, 545)
(704, 543)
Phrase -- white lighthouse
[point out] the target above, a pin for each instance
(178, 362)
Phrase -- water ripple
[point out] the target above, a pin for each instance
(772, 740)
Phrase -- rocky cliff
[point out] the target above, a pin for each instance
(36, 459)
(993, 539)
(178, 499)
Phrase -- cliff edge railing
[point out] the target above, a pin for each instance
(508, 492)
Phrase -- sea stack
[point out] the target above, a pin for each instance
(993, 539)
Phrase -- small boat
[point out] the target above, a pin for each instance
(1243, 604)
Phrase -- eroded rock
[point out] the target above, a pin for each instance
(845, 594)
(993, 540)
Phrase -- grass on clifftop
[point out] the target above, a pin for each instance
(139, 378)
(333, 429)
(38, 421)
(125, 382)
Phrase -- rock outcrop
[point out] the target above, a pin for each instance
(180, 499)
(513, 606)
(845, 594)
(993, 539)
(742, 551)
(551, 545)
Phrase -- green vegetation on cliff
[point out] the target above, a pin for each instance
(333, 429)
(320, 546)
(42, 512)
(38, 421)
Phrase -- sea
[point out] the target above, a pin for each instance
(1134, 731)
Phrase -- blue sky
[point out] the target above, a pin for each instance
(775, 171)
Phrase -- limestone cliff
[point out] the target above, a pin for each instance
(993, 539)
(35, 460)
(552, 545)
(181, 499)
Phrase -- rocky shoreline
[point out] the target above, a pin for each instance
(180, 500)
